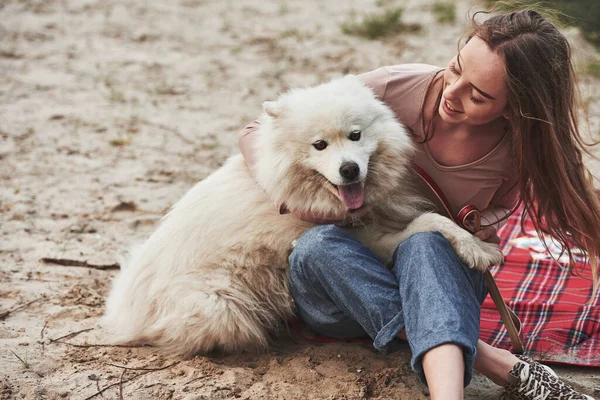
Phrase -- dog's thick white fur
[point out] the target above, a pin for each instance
(214, 275)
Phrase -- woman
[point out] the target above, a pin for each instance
(496, 127)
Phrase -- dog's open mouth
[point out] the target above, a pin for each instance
(353, 194)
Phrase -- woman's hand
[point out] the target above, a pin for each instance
(488, 234)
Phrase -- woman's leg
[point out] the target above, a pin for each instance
(342, 290)
(447, 296)
(444, 369)
(495, 363)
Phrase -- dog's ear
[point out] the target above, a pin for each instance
(272, 108)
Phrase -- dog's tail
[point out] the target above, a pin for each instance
(193, 314)
(221, 320)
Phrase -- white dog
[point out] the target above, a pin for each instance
(214, 275)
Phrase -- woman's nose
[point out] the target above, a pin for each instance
(451, 89)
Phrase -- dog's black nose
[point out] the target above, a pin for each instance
(349, 170)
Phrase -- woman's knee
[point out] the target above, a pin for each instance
(423, 243)
(313, 246)
(431, 254)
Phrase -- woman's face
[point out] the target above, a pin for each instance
(474, 89)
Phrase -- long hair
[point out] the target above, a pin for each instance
(556, 189)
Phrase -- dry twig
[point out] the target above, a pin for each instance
(135, 368)
(42, 335)
(73, 334)
(43, 329)
(25, 363)
(196, 379)
(121, 381)
(168, 129)
(6, 313)
(70, 335)
(104, 345)
(78, 263)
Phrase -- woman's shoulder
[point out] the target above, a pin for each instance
(410, 79)
(403, 88)
(408, 83)
(413, 69)
(398, 76)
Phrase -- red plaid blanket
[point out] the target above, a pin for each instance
(561, 321)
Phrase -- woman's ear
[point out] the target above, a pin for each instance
(272, 108)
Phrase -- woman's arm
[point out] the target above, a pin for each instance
(245, 143)
(495, 216)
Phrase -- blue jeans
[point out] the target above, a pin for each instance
(342, 290)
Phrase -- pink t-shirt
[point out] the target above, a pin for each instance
(488, 183)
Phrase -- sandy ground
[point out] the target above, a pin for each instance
(109, 112)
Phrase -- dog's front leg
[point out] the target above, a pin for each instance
(474, 252)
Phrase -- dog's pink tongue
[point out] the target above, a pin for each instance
(352, 195)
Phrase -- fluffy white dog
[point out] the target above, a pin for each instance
(214, 275)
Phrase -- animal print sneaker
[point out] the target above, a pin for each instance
(539, 382)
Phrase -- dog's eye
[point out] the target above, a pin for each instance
(354, 135)
(320, 145)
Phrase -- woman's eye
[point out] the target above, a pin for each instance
(476, 101)
(320, 145)
(453, 69)
(354, 135)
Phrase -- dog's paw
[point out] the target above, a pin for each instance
(478, 254)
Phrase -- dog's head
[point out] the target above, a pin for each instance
(329, 149)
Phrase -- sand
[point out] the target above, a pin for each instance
(109, 112)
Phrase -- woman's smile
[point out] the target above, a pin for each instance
(448, 109)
